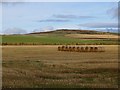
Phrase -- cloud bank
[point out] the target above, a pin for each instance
(100, 25)
(44, 29)
(53, 20)
(14, 31)
(73, 16)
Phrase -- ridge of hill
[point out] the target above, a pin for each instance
(62, 37)
(69, 31)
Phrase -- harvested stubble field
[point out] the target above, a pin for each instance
(93, 36)
(44, 66)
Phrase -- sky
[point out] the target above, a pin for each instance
(26, 17)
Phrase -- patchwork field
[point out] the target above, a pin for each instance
(45, 66)
(59, 39)
(93, 36)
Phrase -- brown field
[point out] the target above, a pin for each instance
(89, 36)
(44, 66)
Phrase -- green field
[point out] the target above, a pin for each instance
(52, 39)
(45, 67)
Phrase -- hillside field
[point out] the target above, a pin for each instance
(93, 36)
(44, 66)
(59, 39)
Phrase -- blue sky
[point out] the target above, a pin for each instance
(45, 16)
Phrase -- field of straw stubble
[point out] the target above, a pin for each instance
(45, 66)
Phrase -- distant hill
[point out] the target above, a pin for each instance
(69, 31)
(62, 37)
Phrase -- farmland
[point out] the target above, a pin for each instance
(93, 36)
(44, 66)
(60, 37)
(33, 60)
(59, 44)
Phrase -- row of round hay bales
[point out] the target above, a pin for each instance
(82, 48)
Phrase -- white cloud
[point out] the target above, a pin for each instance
(48, 28)
(14, 31)
(68, 26)
(69, 16)
(44, 29)
(53, 20)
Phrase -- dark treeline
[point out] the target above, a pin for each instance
(6, 43)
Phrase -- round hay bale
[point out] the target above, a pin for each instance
(59, 48)
(66, 48)
(82, 49)
(63, 48)
(73, 48)
(86, 49)
(95, 49)
(70, 48)
(77, 49)
(91, 49)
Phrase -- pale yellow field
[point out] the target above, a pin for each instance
(44, 66)
(96, 36)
